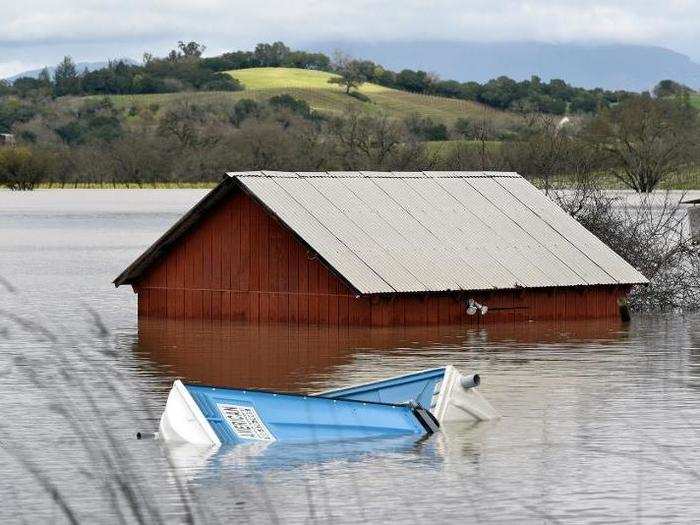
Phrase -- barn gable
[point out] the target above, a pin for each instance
(240, 263)
(244, 218)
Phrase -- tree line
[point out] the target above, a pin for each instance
(185, 69)
(181, 69)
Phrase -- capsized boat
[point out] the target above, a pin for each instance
(205, 415)
(450, 395)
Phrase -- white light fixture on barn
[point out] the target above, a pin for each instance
(473, 307)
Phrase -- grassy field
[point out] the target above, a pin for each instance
(312, 86)
(695, 100)
(258, 78)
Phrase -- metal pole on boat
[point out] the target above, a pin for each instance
(470, 381)
(147, 435)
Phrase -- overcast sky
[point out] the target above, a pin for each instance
(34, 33)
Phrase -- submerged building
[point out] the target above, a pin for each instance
(378, 249)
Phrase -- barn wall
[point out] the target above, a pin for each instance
(240, 263)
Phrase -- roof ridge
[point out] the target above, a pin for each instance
(376, 174)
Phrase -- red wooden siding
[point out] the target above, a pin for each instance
(241, 263)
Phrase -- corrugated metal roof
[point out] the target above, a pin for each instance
(440, 250)
(438, 231)
(558, 220)
(553, 250)
(345, 227)
(402, 234)
(400, 259)
(475, 240)
(422, 231)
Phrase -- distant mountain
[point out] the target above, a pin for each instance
(630, 67)
(80, 66)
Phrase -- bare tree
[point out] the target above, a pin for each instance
(483, 131)
(139, 159)
(648, 232)
(544, 152)
(364, 141)
(645, 140)
(350, 74)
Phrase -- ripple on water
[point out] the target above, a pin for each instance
(600, 422)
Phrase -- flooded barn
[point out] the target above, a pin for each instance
(378, 249)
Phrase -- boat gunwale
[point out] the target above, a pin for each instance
(311, 396)
(379, 382)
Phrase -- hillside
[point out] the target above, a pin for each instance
(261, 78)
(313, 87)
(322, 96)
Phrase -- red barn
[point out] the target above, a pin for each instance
(378, 249)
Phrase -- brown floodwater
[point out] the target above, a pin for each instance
(599, 419)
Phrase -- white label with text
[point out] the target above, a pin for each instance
(245, 422)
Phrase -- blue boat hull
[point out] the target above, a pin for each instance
(232, 416)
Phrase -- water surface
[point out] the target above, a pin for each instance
(599, 420)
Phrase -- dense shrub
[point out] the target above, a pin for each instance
(244, 109)
(22, 168)
(295, 106)
(425, 128)
(14, 110)
(93, 121)
(360, 96)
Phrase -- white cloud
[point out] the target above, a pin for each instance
(231, 24)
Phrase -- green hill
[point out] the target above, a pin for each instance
(695, 100)
(313, 87)
(263, 78)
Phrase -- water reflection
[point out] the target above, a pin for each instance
(600, 420)
(202, 463)
(306, 358)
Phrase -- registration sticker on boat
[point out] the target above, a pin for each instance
(245, 422)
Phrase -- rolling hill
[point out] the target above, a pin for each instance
(313, 87)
